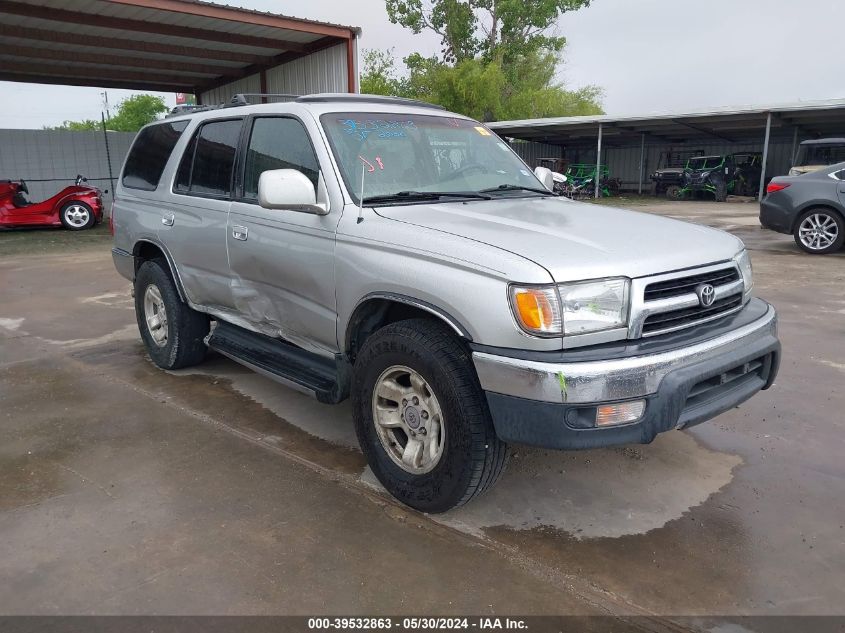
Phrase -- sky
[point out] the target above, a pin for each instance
(649, 56)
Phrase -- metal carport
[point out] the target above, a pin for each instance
(785, 123)
(173, 46)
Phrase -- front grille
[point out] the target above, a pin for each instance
(688, 316)
(686, 285)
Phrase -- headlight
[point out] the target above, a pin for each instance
(537, 309)
(743, 262)
(705, 174)
(593, 306)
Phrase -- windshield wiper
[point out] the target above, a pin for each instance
(545, 192)
(403, 196)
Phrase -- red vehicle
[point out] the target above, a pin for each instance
(77, 207)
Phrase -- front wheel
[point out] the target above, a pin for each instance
(819, 231)
(673, 192)
(76, 216)
(422, 419)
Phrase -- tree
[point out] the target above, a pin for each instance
(499, 59)
(131, 115)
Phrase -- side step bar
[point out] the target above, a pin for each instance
(324, 378)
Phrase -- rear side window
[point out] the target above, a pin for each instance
(278, 143)
(149, 155)
(206, 166)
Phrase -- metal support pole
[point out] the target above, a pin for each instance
(108, 154)
(794, 146)
(598, 165)
(642, 163)
(765, 156)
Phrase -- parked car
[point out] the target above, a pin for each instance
(818, 154)
(76, 207)
(810, 206)
(737, 174)
(402, 255)
(668, 177)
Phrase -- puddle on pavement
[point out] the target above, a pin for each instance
(607, 493)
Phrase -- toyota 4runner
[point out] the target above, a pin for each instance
(404, 256)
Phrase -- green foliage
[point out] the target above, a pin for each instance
(135, 112)
(131, 115)
(499, 59)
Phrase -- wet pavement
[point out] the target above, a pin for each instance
(216, 490)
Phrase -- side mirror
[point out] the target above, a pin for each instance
(290, 189)
(546, 176)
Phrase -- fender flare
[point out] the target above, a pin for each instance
(174, 272)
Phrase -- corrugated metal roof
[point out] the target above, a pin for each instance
(731, 124)
(213, 43)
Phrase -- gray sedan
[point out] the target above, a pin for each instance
(811, 207)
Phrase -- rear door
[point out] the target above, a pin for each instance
(840, 185)
(194, 225)
(282, 261)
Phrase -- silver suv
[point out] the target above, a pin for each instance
(404, 256)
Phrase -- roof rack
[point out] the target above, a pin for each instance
(359, 98)
(242, 99)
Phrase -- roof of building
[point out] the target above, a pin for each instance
(167, 45)
(731, 124)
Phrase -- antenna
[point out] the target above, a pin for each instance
(361, 199)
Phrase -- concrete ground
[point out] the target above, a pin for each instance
(126, 489)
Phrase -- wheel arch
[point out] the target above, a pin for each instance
(378, 309)
(147, 249)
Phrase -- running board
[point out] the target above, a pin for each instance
(324, 378)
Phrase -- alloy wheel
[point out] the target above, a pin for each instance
(408, 420)
(155, 315)
(818, 231)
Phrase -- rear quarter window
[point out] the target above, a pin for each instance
(149, 155)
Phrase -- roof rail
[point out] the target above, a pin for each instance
(364, 98)
(240, 99)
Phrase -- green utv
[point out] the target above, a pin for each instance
(736, 174)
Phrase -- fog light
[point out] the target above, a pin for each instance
(619, 413)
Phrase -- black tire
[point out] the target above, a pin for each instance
(185, 328)
(68, 223)
(721, 192)
(672, 192)
(822, 216)
(472, 458)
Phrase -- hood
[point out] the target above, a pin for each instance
(669, 170)
(805, 169)
(575, 240)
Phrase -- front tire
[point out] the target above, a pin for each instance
(172, 332)
(76, 216)
(422, 419)
(673, 192)
(819, 231)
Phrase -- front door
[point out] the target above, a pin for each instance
(194, 225)
(282, 261)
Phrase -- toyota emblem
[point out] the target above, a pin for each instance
(706, 295)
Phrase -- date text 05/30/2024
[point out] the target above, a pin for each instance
(416, 624)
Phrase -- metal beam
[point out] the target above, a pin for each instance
(130, 44)
(642, 164)
(794, 153)
(93, 75)
(75, 56)
(246, 16)
(105, 83)
(765, 156)
(598, 164)
(142, 26)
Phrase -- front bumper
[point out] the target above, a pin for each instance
(546, 403)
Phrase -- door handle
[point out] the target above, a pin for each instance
(168, 219)
(240, 232)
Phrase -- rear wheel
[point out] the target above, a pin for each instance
(422, 419)
(721, 192)
(172, 332)
(673, 192)
(77, 216)
(819, 231)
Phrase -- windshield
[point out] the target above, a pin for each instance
(395, 153)
(821, 154)
(704, 162)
